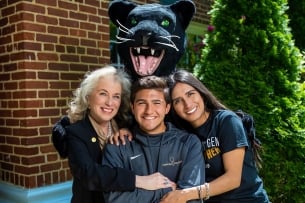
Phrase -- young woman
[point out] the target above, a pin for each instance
(98, 103)
(231, 171)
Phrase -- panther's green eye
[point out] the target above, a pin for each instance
(165, 23)
(133, 21)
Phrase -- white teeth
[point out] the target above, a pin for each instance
(107, 110)
(191, 111)
(152, 51)
(137, 61)
(138, 50)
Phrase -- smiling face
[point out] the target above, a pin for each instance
(188, 104)
(151, 37)
(149, 109)
(105, 99)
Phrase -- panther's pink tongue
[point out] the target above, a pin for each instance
(146, 65)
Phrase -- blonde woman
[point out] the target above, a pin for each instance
(98, 103)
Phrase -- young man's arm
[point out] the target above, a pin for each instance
(191, 175)
(115, 156)
(192, 172)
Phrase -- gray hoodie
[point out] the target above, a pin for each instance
(175, 153)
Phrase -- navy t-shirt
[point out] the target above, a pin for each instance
(221, 133)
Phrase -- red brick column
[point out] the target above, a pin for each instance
(45, 49)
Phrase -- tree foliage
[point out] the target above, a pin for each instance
(250, 62)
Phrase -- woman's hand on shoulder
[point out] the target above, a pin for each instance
(119, 137)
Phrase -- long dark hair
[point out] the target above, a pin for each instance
(211, 103)
(183, 76)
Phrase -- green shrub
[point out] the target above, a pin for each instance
(250, 62)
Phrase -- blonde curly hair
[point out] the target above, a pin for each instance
(78, 107)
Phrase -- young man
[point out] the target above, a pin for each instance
(157, 146)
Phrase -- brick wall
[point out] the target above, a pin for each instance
(45, 49)
(202, 8)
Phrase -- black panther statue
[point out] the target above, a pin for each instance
(151, 40)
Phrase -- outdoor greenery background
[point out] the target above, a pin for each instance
(251, 58)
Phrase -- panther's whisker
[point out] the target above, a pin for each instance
(170, 36)
(122, 40)
(172, 44)
(169, 45)
(125, 30)
(117, 42)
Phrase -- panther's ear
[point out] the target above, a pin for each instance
(184, 10)
(118, 11)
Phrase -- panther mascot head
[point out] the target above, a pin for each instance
(151, 37)
(151, 41)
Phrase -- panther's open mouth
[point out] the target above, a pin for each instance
(145, 59)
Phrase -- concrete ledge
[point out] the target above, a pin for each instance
(59, 193)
